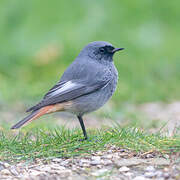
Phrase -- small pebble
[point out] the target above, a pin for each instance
(57, 160)
(109, 151)
(1, 167)
(99, 166)
(99, 153)
(45, 168)
(122, 150)
(150, 169)
(113, 147)
(107, 162)
(166, 175)
(95, 162)
(166, 169)
(64, 173)
(129, 174)
(6, 165)
(124, 169)
(149, 156)
(166, 156)
(5, 172)
(35, 173)
(160, 178)
(84, 162)
(159, 173)
(64, 163)
(109, 156)
(149, 174)
(99, 172)
(74, 167)
(58, 167)
(140, 178)
(96, 158)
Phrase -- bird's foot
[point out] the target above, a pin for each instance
(94, 138)
(85, 139)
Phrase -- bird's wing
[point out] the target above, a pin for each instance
(69, 90)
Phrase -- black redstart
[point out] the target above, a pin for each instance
(85, 86)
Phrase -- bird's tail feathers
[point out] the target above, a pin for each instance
(34, 115)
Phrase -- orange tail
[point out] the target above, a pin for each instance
(33, 116)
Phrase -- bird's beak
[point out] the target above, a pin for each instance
(117, 49)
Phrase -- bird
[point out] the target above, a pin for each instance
(85, 86)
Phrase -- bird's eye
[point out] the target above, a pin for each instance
(102, 50)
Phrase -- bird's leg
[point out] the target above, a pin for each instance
(82, 126)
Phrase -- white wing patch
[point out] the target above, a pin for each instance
(66, 86)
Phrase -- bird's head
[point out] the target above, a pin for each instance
(100, 51)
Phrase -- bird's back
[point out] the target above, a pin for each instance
(93, 73)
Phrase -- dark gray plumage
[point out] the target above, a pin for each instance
(87, 83)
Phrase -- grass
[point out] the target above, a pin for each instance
(43, 143)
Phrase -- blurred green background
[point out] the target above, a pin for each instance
(40, 38)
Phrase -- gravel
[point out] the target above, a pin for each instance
(112, 164)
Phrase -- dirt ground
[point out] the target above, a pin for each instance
(115, 163)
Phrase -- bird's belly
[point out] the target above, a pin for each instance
(93, 101)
